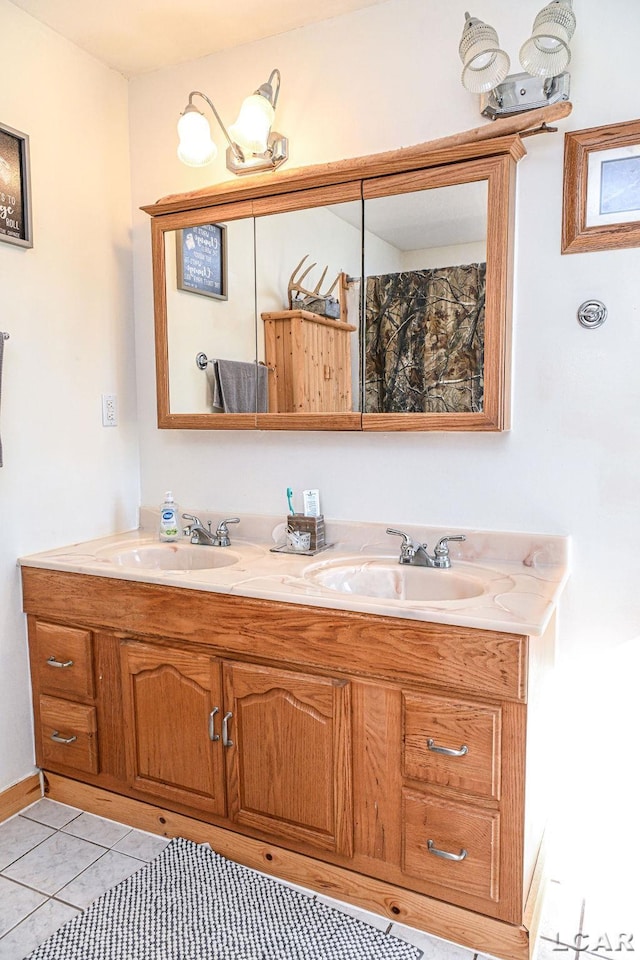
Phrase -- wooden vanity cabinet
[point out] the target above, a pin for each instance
(382, 760)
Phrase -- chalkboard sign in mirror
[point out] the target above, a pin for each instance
(201, 260)
(15, 198)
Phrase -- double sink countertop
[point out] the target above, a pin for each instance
(510, 582)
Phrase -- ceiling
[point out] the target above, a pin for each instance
(135, 36)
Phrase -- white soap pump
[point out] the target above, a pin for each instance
(169, 519)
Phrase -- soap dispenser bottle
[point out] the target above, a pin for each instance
(169, 522)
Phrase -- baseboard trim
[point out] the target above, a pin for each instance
(479, 933)
(20, 795)
(537, 891)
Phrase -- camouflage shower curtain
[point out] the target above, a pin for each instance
(424, 341)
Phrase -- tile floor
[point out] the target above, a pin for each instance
(56, 859)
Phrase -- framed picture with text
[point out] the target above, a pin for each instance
(601, 196)
(201, 254)
(15, 188)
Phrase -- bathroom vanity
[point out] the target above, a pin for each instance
(384, 750)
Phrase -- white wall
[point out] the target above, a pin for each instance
(388, 77)
(67, 304)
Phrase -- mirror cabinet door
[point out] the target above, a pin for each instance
(436, 249)
(308, 268)
(206, 333)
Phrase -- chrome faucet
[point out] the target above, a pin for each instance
(198, 534)
(417, 553)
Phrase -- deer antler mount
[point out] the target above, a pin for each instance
(302, 298)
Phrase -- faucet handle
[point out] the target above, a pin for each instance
(442, 546)
(407, 541)
(222, 526)
(408, 546)
(222, 533)
(441, 550)
(186, 531)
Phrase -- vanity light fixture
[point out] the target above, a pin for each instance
(253, 146)
(544, 56)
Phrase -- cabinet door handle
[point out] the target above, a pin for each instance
(55, 736)
(226, 742)
(212, 724)
(445, 853)
(59, 663)
(447, 751)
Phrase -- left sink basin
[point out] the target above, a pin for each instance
(168, 556)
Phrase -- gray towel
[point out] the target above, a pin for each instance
(213, 380)
(238, 387)
(1, 356)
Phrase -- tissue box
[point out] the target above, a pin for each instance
(312, 525)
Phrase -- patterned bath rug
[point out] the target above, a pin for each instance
(190, 903)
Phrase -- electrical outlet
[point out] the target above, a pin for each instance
(109, 410)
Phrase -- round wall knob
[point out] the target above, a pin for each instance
(592, 314)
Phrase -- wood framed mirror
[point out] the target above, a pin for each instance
(294, 368)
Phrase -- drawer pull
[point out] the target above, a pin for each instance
(226, 742)
(212, 724)
(55, 736)
(59, 663)
(447, 751)
(445, 853)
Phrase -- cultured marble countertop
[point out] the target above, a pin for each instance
(522, 574)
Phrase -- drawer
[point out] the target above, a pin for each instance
(450, 844)
(453, 743)
(68, 732)
(62, 661)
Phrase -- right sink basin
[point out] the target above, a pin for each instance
(386, 579)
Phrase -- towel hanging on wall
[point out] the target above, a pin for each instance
(237, 386)
(3, 337)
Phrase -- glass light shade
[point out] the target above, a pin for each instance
(546, 53)
(251, 129)
(485, 65)
(196, 148)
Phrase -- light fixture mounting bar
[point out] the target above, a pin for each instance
(521, 92)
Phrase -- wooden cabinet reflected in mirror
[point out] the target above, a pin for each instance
(421, 344)
(308, 267)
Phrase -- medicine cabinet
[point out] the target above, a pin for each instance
(367, 294)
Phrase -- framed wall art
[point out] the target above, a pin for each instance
(601, 197)
(15, 188)
(201, 254)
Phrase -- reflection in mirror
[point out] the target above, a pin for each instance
(425, 268)
(308, 265)
(210, 291)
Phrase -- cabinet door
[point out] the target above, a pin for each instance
(289, 754)
(172, 700)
